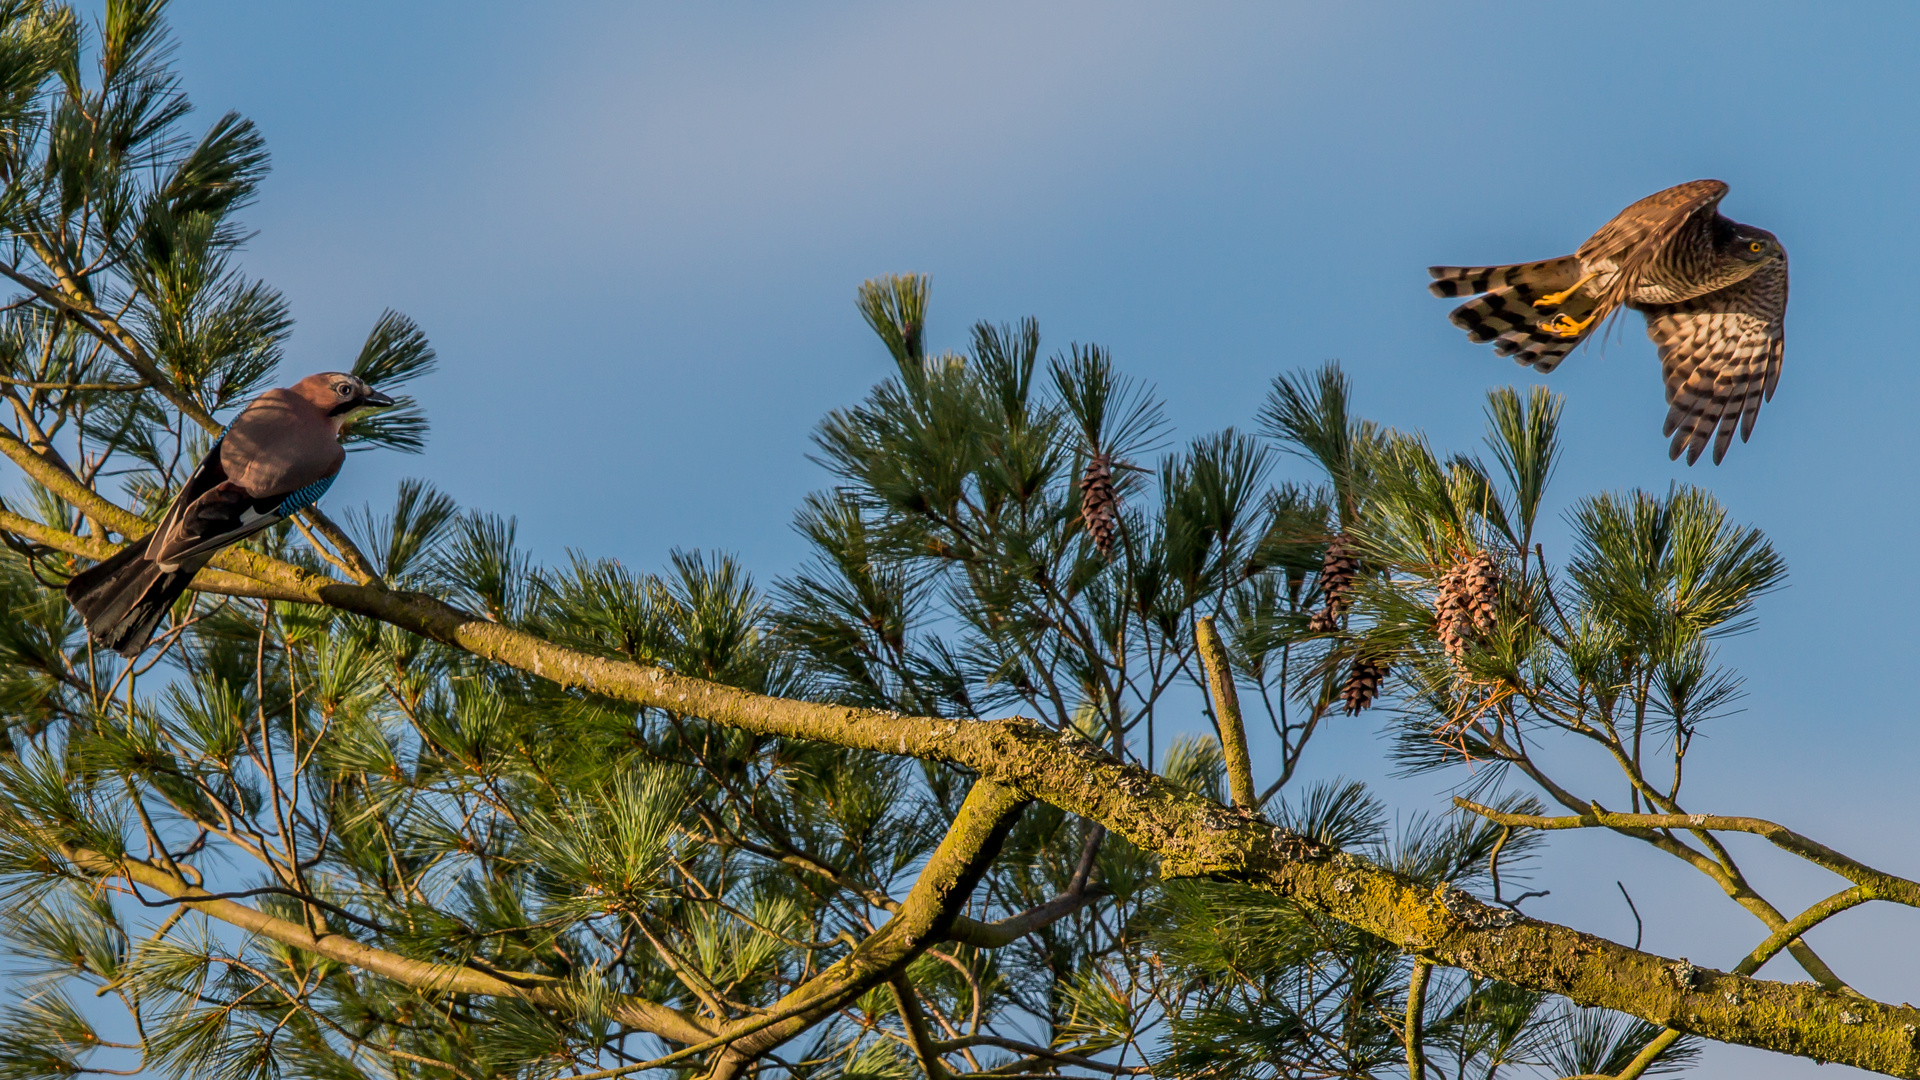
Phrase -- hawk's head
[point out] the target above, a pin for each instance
(1749, 244)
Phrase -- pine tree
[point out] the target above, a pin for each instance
(315, 837)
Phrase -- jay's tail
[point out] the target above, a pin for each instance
(124, 599)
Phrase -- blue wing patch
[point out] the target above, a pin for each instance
(305, 497)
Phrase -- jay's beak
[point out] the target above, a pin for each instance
(373, 399)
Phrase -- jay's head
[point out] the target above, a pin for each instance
(341, 396)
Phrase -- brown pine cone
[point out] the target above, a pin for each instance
(1363, 684)
(1337, 570)
(1099, 505)
(1466, 606)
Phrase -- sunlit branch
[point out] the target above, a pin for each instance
(419, 974)
(1226, 709)
(29, 384)
(1884, 886)
(1805, 921)
(1192, 837)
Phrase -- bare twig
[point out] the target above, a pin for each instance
(1639, 928)
(1885, 886)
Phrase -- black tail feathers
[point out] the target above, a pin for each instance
(124, 599)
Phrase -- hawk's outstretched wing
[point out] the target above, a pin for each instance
(1636, 235)
(1721, 355)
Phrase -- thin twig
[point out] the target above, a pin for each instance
(1639, 928)
(1886, 886)
(9, 380)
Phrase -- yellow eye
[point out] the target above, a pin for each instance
(1756, 246)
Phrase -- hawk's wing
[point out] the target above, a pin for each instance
(1635, 235)
(1721, 356)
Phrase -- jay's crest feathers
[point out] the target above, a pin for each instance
(277, 458)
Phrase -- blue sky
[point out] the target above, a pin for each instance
(634, 232)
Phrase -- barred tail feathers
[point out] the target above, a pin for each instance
(1507, 316)
(1544, 277)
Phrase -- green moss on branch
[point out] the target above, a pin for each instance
(1193, 836)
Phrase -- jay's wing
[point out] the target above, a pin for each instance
(172, 533)
(212, 512)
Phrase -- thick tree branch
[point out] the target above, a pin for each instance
(246, 573)
(1198, 838)
(925, 916)
(218, 582)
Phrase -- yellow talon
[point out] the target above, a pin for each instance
(1564, 326)
(1556, 299)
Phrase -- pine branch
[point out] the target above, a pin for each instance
(1192, 836)
(1078, 894)
(1226, 710)
(1882, 885)
(1415, 1035)
(406, 971)
(943, 887)
(918, 1037)
(71, 298)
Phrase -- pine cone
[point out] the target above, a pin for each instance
(1099, 505)
(1464, 610)
(1363, 684)
(1336, 579)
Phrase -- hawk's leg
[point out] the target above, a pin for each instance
(1565, 326)
(1558, 298)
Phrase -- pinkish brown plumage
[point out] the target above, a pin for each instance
(274, 460)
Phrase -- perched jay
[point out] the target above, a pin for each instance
(276, 458)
